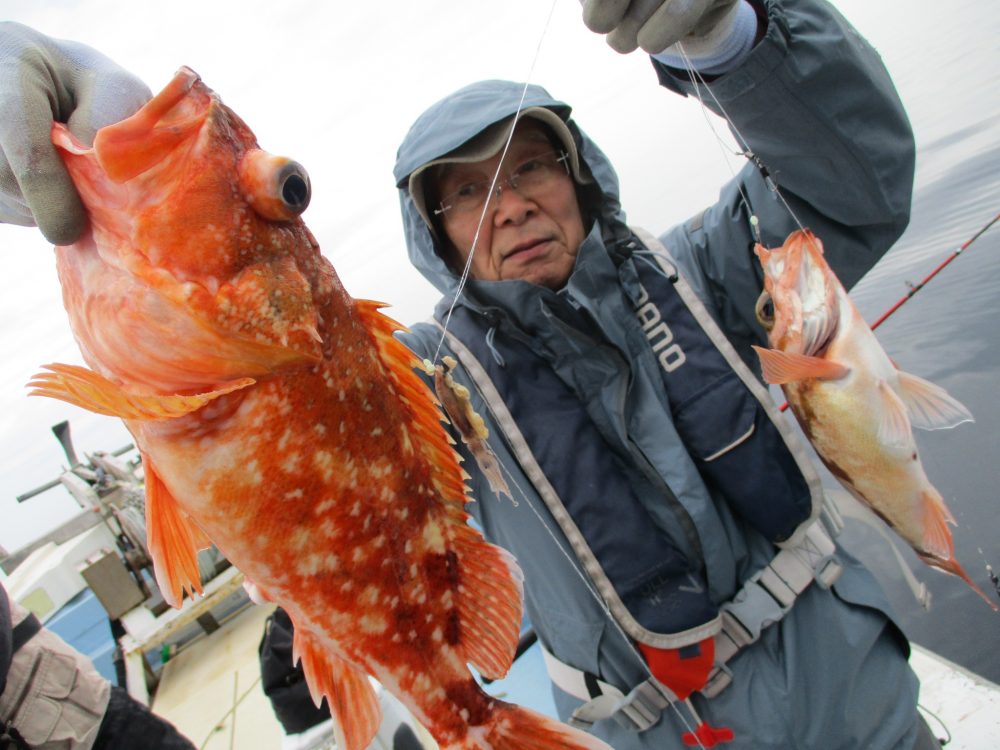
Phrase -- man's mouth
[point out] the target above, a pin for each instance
(526, 246)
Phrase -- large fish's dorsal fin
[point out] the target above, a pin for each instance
(350, 696)
(89, 390)
(430, 437)
(173, 539)
(780, 367)
(488, 602)
(930, 406)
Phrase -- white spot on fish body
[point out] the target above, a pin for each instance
(323, 461)
(296, 494)
(300, 539)
(291, 463)
(371, 623)
(376, 431)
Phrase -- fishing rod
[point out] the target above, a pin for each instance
(917, 287)
(914, 289)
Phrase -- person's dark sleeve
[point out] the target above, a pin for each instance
(817, 106)
(6, 639)
(128, 724)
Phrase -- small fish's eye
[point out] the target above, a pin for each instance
(764, 311)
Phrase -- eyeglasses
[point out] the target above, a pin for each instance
(529, 178)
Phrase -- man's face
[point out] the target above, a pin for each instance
(531, 233)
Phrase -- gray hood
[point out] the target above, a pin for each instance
(455, 119)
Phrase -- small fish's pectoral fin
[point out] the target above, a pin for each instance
(785, 367)
(173, 540)
(894, 424)
(94, 392)
(930, 406)
(352, 700)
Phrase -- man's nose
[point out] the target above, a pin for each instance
(510, 204)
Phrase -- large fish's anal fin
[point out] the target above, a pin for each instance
(930, 406)
(173, 539)
(94, 392)
(786, 367)
(349, 694)
(894, 423)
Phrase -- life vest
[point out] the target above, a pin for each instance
(652, 585)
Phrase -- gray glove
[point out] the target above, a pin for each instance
(44, 80)
(653, 25)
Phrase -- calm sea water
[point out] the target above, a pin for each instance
(949, 332)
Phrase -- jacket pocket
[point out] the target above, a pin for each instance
(741, 454)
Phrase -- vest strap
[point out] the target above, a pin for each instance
(24, 631)
(764, 600)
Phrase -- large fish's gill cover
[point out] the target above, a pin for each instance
(855, 406)
(278, 418)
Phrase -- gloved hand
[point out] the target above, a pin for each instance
(654, 25)
(44, 80)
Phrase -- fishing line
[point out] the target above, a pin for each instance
(747, 152)
(463, 279)
(589, 585)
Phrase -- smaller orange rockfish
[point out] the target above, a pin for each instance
(855, 406)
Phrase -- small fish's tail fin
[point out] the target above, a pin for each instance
(512, 727)
(939, 548)
(952, 566)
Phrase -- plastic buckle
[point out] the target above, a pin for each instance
(718, 680)
(641, 708)
(749, 612)
(827, 570)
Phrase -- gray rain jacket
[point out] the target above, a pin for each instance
(819, 109)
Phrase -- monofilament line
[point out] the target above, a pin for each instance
(699, 82)
(493, 184)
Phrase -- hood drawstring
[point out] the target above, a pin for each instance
(490, 335)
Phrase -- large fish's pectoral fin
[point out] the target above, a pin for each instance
(352, 700)
(89, 390)
(893, 424)
(173, 540)
(930, 406)
(786, 367)
(489, 605)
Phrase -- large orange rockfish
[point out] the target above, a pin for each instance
(279, 418)
(855, 406)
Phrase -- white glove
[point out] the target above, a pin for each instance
(656, 25)
(44, 80)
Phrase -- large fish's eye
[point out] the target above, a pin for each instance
(765, 311)
(276, 187)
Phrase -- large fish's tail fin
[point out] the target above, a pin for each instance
(939, 548)
(512, 727)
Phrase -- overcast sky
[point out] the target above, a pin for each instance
(336, 86)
